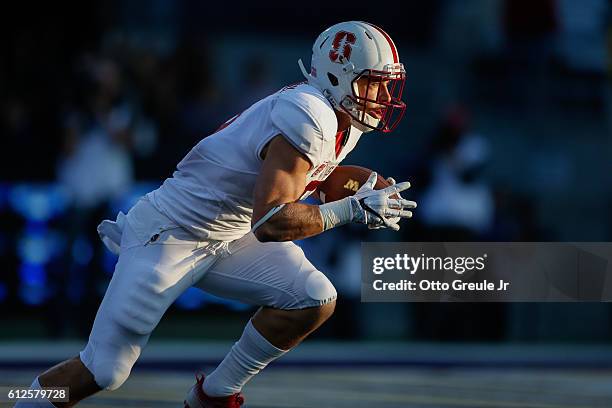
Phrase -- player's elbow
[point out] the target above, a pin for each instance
(266, 233)
(270, 232)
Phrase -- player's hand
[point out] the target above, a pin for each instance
(395, 220)
(377, 209)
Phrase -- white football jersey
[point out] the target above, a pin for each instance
(211, 192)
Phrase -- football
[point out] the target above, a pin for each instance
(344, 181)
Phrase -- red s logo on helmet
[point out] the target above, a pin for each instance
(341, 46)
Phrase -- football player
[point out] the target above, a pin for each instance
(225, 220)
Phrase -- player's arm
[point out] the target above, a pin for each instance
(281, 182)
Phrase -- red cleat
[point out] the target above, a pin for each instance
(196, 398)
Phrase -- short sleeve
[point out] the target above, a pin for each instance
(304, 122)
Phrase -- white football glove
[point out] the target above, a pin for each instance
(395, 220)
(376, 209)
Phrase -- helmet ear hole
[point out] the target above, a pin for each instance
(332, 78)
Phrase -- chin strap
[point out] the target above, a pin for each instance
(361, 127)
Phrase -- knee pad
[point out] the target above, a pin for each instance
(311, 289)
(319, 288)
(109, 365)
(111, 375)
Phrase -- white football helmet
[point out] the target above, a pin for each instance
(347, 52)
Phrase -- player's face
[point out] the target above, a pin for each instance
(374, 88)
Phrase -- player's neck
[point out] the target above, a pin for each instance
(344, 120)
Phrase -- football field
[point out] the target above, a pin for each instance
(353, 375)
(312, 387)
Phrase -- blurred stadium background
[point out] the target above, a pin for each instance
(507, 137)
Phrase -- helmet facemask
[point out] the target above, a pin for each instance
(381, 108)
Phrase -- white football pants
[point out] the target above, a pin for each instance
(159, 260)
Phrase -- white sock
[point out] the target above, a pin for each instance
(34, 404)
(249, 355)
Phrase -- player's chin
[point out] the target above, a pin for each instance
(376, 113)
